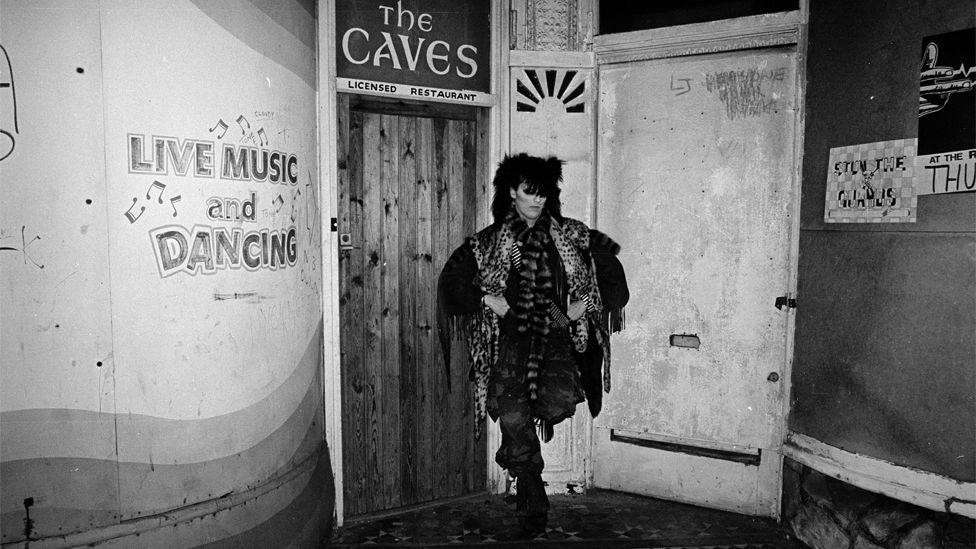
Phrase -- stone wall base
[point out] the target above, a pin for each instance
(825, 513)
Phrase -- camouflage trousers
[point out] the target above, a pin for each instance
(508, 400)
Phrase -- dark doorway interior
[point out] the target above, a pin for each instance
(632, 15)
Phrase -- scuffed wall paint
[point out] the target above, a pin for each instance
(145, 375)
(56, 357)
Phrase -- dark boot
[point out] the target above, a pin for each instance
(534, 502)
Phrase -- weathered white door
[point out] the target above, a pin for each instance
(696, 181)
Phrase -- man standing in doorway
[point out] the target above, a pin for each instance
(535, 295)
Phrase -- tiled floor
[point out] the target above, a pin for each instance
(596, 519)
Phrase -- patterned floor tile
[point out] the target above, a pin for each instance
(597, 519)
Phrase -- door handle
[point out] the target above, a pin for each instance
(772, 377)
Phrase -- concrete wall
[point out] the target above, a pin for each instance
(161, 320)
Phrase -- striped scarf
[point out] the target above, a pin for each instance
(496, 250)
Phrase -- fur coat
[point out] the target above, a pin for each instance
(479, 267)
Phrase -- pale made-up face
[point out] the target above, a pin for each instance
(528, 205)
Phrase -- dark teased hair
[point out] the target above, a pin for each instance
(542, 175)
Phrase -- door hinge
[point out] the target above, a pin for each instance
(512, 28)
(785, 300)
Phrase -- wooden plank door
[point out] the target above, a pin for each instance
(697, 184)
(408, 195)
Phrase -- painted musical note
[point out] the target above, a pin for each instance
(223, 128)
(239, 118)
(263, 136)
(294, 201)
(128, 213)
(173, 201)
(278, 201)
(156, 185)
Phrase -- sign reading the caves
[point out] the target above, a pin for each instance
(432, 50)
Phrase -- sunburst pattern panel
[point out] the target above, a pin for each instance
(565, 86)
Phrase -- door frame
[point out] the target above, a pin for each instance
(328, 135)
(577, 470)
(743, 33)
(382, 110)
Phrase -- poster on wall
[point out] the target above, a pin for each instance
(430, 50)
(946, 161)
(871, 183)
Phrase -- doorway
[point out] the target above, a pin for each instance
(698, 153)
(411, 186)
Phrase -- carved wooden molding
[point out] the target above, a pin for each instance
(571, 88)
(552, 25)
(756, 31)
(552, 59)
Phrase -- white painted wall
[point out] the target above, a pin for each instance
(551, 129)
(128, 391)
